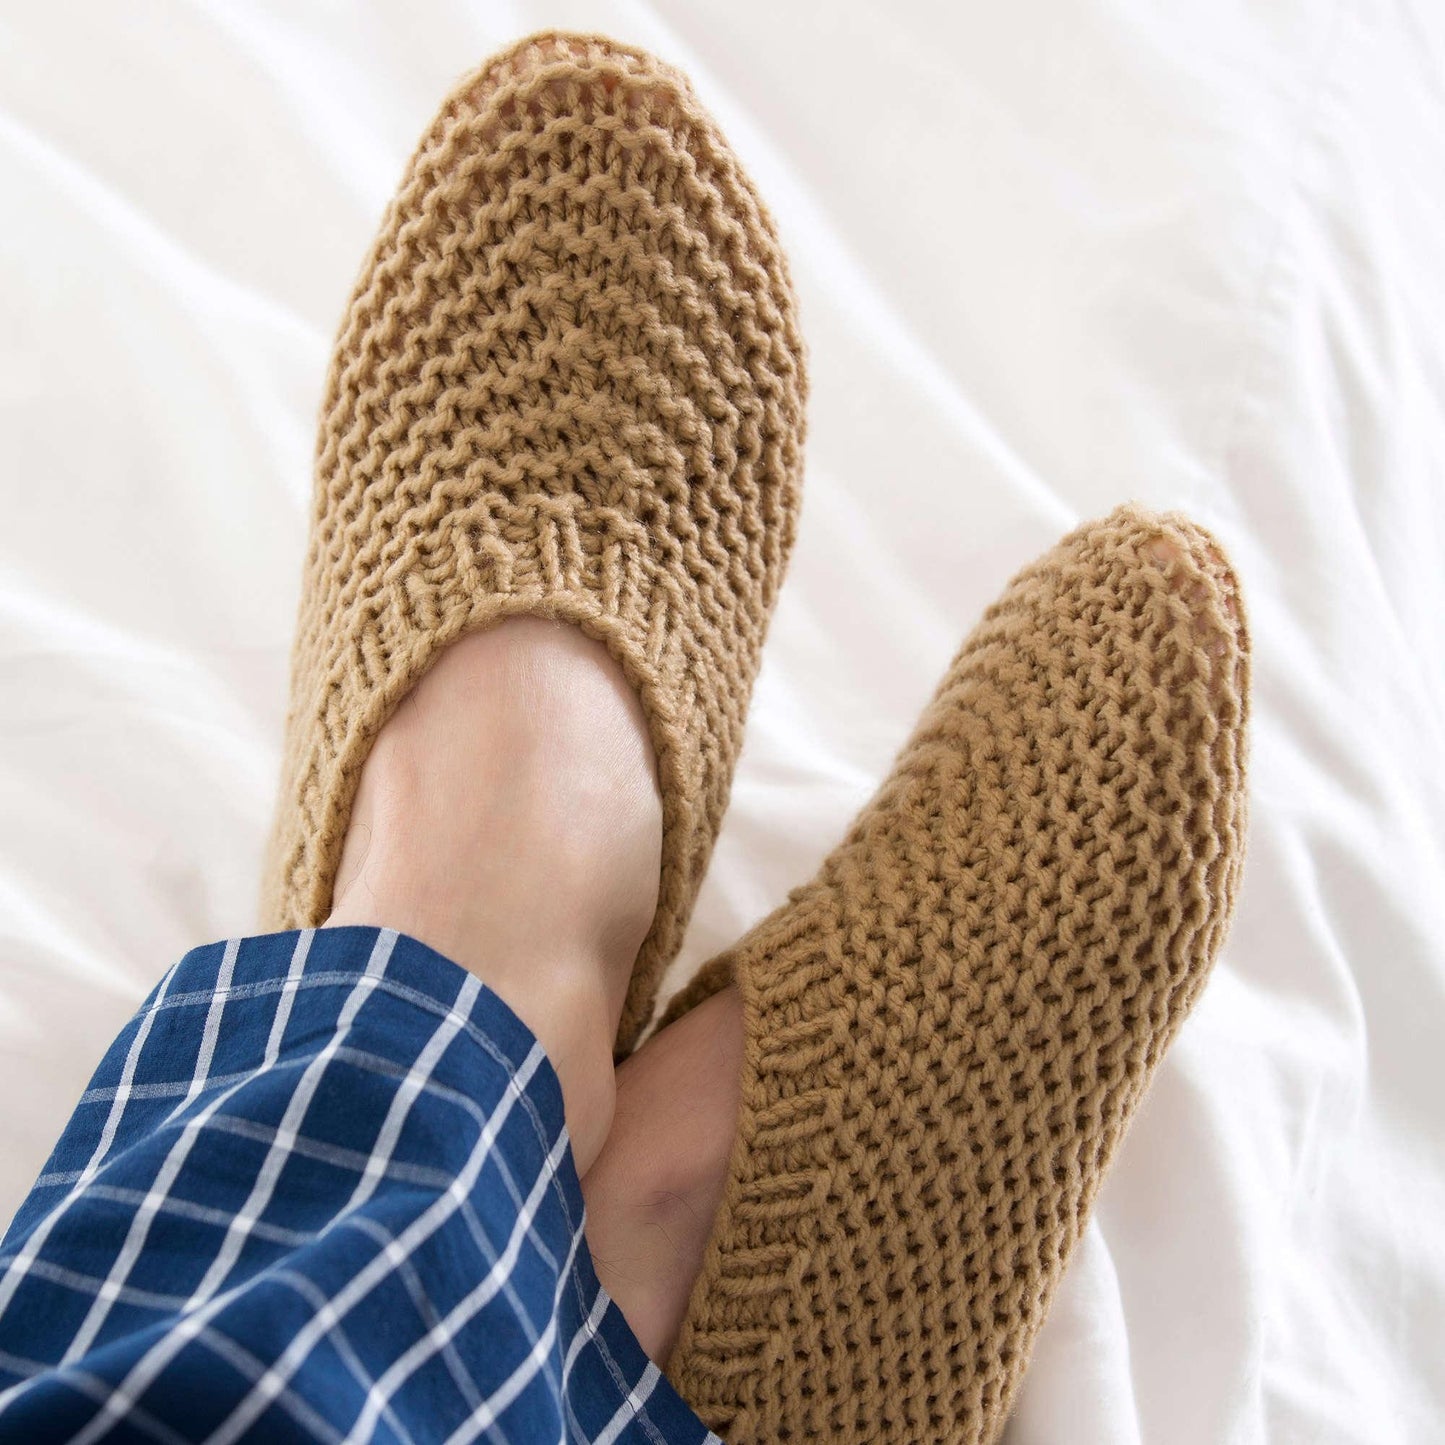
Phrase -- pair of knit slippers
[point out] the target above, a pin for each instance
(571, 383)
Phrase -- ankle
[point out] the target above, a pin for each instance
(561, 997)
(682, 1137)
(508, 816)
(568, 1015)
(654, 1194)
(512, 799)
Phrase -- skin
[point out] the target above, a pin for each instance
(509, 816)
(654, 1192)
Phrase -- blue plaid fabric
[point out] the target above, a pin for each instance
(320, 1188)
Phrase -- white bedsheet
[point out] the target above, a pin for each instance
(1051, 256)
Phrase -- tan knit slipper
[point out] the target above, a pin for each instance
(570, 383)
(948, 1030)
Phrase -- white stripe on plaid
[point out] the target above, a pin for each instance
(523, 1375)
(304, 1414)
(335, 1154)
(89, 1284)
(290, 1127)
(627, 1411)
(142, 1421)
(585, 1335)
(288, 1399)
(192, 1322)
(587, 1332)
(461, 1376)
(18, 1267)
(320, 1323)
(379, 1160)
(140, 1223)
(150, 1365)
(202, 1072)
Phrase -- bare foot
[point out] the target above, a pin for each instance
(509, 817)
(654, 1192)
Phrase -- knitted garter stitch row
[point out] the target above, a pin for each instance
(569, 383)
(949, 1029)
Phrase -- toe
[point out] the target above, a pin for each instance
(556, 74)
(1188, 562)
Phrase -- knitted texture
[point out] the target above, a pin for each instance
(948, 1029)
(569, 383)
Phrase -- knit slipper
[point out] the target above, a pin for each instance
(948, 1030)
(570, 384)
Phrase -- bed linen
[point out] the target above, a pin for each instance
(1050, 257)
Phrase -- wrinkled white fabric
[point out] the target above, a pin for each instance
(1050, 257)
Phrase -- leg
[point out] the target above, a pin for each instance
(509, 816)
(654, 1193)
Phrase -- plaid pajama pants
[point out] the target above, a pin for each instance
(320, 1188)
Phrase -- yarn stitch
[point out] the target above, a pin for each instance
(569, 383)
(949, 1028)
